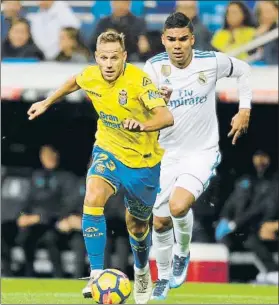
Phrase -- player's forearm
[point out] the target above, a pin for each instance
(242, 71)
(67, 88)
(161, 119)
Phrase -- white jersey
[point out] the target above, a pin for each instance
(193, 100)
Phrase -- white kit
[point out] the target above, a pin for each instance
(192, 151)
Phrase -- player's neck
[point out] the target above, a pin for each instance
(185, 64)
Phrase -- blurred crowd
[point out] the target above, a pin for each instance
(43, 208)
(56, 33)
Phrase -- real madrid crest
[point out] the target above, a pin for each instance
(166, 70)
(202, 78)
(123, 97)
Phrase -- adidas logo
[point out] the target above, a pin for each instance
(167, 81)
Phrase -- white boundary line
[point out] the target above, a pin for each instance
(178, 295)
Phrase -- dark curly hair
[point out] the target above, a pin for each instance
(248, 17)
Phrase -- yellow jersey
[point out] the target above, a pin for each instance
(132, 95)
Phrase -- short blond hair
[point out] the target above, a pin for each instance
(112, 36)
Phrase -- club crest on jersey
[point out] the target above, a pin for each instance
(166, 70)
(202, 78)
(123, 97)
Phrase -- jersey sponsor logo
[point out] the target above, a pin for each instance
(94, 93)
(123, 97)
(187, 98)
(153, 94)
(146, 81)
(110, 120)
(202, 79)
(166, 70)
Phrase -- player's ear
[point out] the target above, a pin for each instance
(125, 55)
(163, 39)
(96, 56)
(193, 39)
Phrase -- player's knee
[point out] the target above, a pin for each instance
(137, 227)
(96, 198)
(162, 224)
(98, 192)
(179, 208)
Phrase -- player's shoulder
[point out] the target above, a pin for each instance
(205, 59)
(131, 69)
(202, 55)
(158, 60)
(90, 72)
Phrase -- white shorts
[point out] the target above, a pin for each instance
(192, 172)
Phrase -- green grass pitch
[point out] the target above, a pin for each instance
(44, 291)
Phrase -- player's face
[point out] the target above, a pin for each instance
(111, 59)
(178, 43)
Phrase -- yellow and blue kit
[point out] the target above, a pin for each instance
(125, 159)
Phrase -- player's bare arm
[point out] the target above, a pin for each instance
(241, 71)
(39, 108)
(240, 124)
(161, 118)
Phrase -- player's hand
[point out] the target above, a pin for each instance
(37, 109)
(133, 125)
(165, 93)
(239, 123)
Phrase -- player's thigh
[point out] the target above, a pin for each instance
(102, 178)
(168, 176)
(141, 187)
(195, 175)
(180, 201)
(98, 191)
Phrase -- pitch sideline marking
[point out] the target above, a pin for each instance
(180, 295)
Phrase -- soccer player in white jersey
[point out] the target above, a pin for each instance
(192, 151)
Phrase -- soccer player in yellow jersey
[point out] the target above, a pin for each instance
(126, 153)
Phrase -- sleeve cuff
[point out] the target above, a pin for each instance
(245, 104)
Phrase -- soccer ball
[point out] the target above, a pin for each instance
(111, 287)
